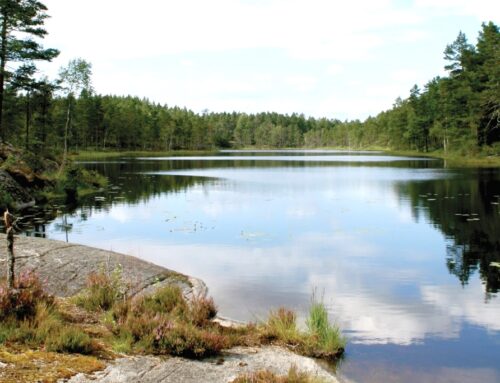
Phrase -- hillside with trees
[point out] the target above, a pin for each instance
(459, 113)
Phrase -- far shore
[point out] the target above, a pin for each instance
(452, 159)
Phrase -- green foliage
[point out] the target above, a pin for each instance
(21, 26)
(5, 198)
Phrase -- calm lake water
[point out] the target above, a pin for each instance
(404, 251)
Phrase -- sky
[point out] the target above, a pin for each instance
(323, 58)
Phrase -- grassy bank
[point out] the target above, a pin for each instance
(452, 159)
(85, 155)
(102, 322)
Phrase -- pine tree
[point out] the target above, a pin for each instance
(21, 21)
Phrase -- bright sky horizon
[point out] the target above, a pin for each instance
(344, 60)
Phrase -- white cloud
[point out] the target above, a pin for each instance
(315, 46)
(483, 10)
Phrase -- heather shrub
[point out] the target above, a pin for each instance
(164, 323)
(201, 310)
(182, 339)
(20, 302)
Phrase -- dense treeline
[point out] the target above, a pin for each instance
(460, 112)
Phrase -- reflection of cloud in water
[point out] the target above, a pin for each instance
(372, 303)
(467, 303)
(380, 372)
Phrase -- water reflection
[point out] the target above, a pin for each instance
(403, 250)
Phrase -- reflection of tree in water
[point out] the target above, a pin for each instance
(465, 208)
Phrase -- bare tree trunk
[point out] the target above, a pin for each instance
(10, 257)
(9, 226)
(66, 129)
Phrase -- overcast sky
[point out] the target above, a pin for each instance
(338, 59)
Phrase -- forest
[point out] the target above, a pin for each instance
(459, 113)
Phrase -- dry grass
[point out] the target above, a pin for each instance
(293, 376)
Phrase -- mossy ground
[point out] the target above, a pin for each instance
(21, 364)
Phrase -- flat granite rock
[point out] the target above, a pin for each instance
(64, 267)
(234, 362)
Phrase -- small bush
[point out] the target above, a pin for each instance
(187, 340)
(71, 340)
(20, 302)
(168, 299)
(201, 310)
(163, 323)
(294, 376)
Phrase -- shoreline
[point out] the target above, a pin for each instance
(65, 267)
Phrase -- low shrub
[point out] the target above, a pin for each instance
(186, 340)
(201, 310)
(168, 299)
(20, 302)
(164, 323)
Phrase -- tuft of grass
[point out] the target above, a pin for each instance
(265, 376)
(322, 340)
(168, 299)
(103, 291)
(327, 340)
(282, 326)
(70, 340)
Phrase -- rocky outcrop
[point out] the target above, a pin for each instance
(16, 195)
(65, 267)
(21, 173)
(234, 362)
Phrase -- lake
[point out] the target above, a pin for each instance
(404, 252)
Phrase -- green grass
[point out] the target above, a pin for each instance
(321, 340)
(102, 292)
